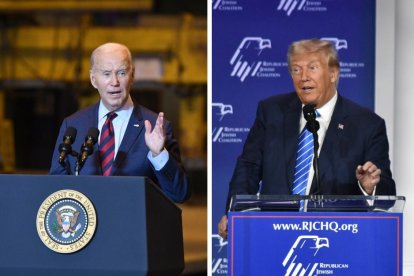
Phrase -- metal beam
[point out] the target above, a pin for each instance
(74, 5)
(53, 54)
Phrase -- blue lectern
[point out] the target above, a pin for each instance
(339, 235)
(138, 229)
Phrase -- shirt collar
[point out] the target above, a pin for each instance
(325, 112)
(123, 112)
(327, 109)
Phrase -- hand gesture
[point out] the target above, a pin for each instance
(368, 176)
(155, 138)
(222, 227)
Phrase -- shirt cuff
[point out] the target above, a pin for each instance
(160, 160)
(370, 202)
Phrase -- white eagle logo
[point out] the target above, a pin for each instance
(304, 249)
(67, 217)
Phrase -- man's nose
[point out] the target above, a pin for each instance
(304, 76)
(114, 80)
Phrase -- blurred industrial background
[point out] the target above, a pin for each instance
(45, 47)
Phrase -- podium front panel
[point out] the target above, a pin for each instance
(124, 242)
(315, 243)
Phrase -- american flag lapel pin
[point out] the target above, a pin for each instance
(340, 126)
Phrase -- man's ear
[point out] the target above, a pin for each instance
(133, 72)
(92, 77)
(334, 74)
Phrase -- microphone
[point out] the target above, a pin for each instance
(87, 147)
(65, 148)
(309, 112)
(312, 125)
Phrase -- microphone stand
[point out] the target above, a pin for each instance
(65, 149)
(77, 168)
(66, 164)
(315, 161)
(77, 165)
(313, 126)
(67, 167)
(86, 148)
(75, 154)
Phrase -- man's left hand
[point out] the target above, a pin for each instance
(155, 138)
(368, 176)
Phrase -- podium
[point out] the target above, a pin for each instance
(338, 235)
(138, 230)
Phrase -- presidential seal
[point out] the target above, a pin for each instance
(66, 221)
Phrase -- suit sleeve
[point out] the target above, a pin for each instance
(172, 177)
(248, 171)
(377, 151)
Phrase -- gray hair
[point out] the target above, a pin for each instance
(314, 46)
(109, 45)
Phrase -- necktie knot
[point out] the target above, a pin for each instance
(111, 115)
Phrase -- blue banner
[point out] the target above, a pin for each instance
(249, 63)
(315, 244)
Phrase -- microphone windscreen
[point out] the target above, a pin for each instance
(312, 126)
(93, 134)
(70, 134)
(309, 112)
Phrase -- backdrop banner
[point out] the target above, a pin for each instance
(249, 51)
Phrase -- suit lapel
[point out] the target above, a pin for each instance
(134, 130)
(93, 122)
(332, 140)
(291, 133)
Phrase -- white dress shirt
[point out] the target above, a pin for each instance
(325, 115)
(120, 124)
(324, 118)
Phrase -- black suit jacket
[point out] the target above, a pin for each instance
(131, 159)
(355, 135)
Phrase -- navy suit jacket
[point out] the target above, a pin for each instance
(355, 135)
(131, 159)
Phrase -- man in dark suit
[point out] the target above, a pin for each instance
(353, 152)
(143, 143)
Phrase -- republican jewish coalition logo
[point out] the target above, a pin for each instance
(245, 60)
(222, 109)
(225, 133)
(227, 5)
(216, 4)
(66, 221)
(337, 43)
(301, 258)
(289, 6)
(220, 264)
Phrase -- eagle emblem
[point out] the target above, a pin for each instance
(66, 217)
(301, 256)
(63, 222)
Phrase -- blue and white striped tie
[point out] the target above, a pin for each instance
(303, 164)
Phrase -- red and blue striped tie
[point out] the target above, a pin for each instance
(107, 144)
